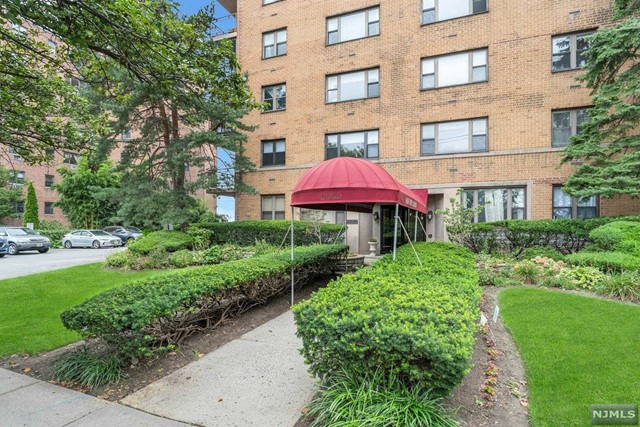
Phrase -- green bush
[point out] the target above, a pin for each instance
(608, 262)
(624, 286)
(247, 233)
(201, 237)
(618, 236)
(543, 252)
(376, 400)
(185, 258)
(170, 241)
(159, 312)
(587, 278)
(54, 231)
(416, 322)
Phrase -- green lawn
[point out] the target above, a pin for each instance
(31, 305)
(577, 351)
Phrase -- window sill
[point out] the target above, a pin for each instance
(566, 70)
(454, 154)
(352, 100)
(352, 40)
(273, 111)
(273, 57)
(453, 19)
(453, 86)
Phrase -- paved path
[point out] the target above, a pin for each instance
(259, 379)
(33, 262)
(25, 401)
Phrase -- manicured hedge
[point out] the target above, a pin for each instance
(566, 235)
(247, 233)
(415, 322)
(615, 248)
(159, 312)
(169, 241)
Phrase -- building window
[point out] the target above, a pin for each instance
(455, 69)
(568, 51)
(566, 207)
(273, 153)
(70, 158)
(126, 135)
(48, 208)
(353, 144)
(441, 10)
(272, 207)
(17, 178)
(53, 46)
(19, 30)
(20, 207)
(275, 97)
(48, 181)
(274, 43)
(566, 123)
(499, 203)
(356, 85)
(14, 153)
(454, 137)
(352, 26)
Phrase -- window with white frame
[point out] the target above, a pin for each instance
(19, 207)
(455, 69)
(441, 10)
(565, 124)
(14, 153)
(17, 178)
(70, 158)
(568, 51)
(363, 144)
(355, 85)
(273, 152)
(454, 137)
(566, 207)
(48, 208)
(274, 43)
(273, 207)
(49, 181)
(498, 203)
(352, 26)
(275, 97)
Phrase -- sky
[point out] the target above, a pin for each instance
(226, 205)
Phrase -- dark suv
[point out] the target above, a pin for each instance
(126, 234)
(3, 247)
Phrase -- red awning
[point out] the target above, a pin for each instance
(347, 183)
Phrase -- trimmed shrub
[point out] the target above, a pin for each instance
(247, 233)
(54, 231)
(158, 313)
(618, 236)
(543, 252)
(609, 262)
(169, 241)
(415, 322)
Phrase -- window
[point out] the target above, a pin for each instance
(275, 97)
(73, 81)
(14, 153)
(53, 46)
(565, 124)
(352, 26)
(274, 43)
(455, 69)
(441, 10)
(126, 135)
(19, 207)
(499, 203)
(48, 181)
(566, 207)
(19, 30)
(17, 178)
(454, 137)
(354, 144)
(356, 85)
(48, 208)
(568, 51)
(272, 207)
(273, 153)
(70, 158)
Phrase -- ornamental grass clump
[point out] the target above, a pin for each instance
(414, 322)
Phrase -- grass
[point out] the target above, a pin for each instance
(31, 305)
(577, 351)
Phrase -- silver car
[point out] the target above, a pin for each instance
(95, 239)
(24, 239)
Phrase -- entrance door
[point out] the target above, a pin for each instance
(408, 218)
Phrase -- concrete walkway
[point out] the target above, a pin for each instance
(25, 401)
(259, 379)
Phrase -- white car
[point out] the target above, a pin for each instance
(95, 239)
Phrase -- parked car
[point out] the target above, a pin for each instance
(3, 247)
(20, 239)
(95, 239)
(126, 234)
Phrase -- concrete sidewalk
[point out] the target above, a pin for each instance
(25, 401)
(259, 379)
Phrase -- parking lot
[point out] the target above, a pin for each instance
(33, 262)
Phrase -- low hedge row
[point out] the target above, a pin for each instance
(415, 322)
(169, 241)
(566, 235)
(159, 312)
(615, 248)
(247, 233)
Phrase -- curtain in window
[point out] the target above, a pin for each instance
(495, 209)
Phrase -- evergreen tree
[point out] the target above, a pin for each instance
(31, 208)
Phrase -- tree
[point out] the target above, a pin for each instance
(31, 208)
(9, 195)
(87, 193)
(606, 153)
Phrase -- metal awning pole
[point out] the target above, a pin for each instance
(415, 227)
(395, 231)
(292, 267)
(346, 227)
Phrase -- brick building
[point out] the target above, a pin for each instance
(445, 94)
